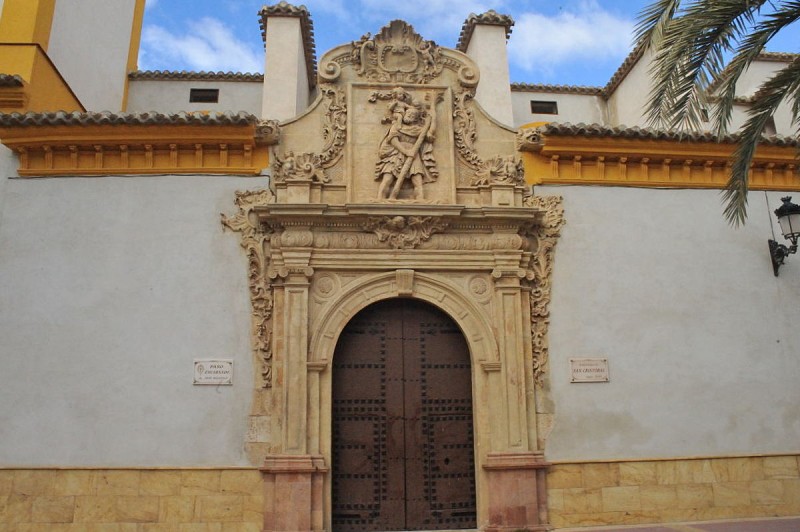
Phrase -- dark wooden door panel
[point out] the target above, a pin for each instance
(402, 422)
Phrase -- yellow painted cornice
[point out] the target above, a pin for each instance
(643, 161)
(53, 149)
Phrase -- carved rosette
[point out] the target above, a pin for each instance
(397, 54)
(539, 275)
(404, 232)
(256, 243)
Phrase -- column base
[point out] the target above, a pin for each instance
(517, 491)
(293, 493)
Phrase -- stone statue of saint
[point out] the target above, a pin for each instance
(406, 151)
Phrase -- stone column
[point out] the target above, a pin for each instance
(290, 65)
(483, 38)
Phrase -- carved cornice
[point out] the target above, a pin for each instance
(490, 18)
(53, 144)
(284, 9)
(540, 277)
(596, 154)
(255, 239)
(186, 75)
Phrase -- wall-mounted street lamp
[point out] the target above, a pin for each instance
(789, 219)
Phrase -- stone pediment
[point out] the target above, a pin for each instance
(395, 121)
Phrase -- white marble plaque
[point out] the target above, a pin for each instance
(213, 371)
(589, 369)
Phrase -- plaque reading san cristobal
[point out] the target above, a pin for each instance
(214, 372)
(589, 369)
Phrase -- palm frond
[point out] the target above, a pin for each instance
(784, 84)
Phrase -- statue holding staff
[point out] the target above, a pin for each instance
(406, 151)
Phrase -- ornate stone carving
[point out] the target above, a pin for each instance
(529, 139)
(539, 275)
(500, 170)
(300, 167)
(397, 54)
(256, 243)
(403, 232)
(464, 129)
(334, 126)
(267, 132)
(406, 151)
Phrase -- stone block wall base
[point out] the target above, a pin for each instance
(517, 495)
(293, 493)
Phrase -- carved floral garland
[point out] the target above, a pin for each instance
(539, 276)
(255, 241)
(403, 232)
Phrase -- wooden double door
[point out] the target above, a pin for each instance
(403, 455)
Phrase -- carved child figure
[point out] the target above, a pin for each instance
(406, 151)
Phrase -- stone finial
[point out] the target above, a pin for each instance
(490, 18)
(285, 9)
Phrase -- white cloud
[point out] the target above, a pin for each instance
(440, 20)
(150, 4)
(539, 42)
(208, 45)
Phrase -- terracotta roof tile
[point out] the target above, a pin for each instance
(174, 75)
(490, 18)
(62, 118)
(557, 89)
(11, 80)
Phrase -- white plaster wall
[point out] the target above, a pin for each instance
(285, 77)
(8, 169)
(626, 106)
(89, 45)
(487, 47)
(573, 108)
(110, 287)
(701, 338)
(169, 96)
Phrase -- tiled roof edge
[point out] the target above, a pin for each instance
(490, 18)
(558, 89)
(599, 130)
(62, 118)
(624, 69)
(194, 76)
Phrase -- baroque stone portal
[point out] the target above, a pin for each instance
(395, 184)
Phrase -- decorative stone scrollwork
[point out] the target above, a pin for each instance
(539, 276)
(334, 127)
(300, 167)
(500, 170)
(464, 129)
(404, 232)
(397, 54)
(256, 243)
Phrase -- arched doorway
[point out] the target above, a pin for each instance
(403, 455)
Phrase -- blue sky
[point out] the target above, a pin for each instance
(575, 42)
